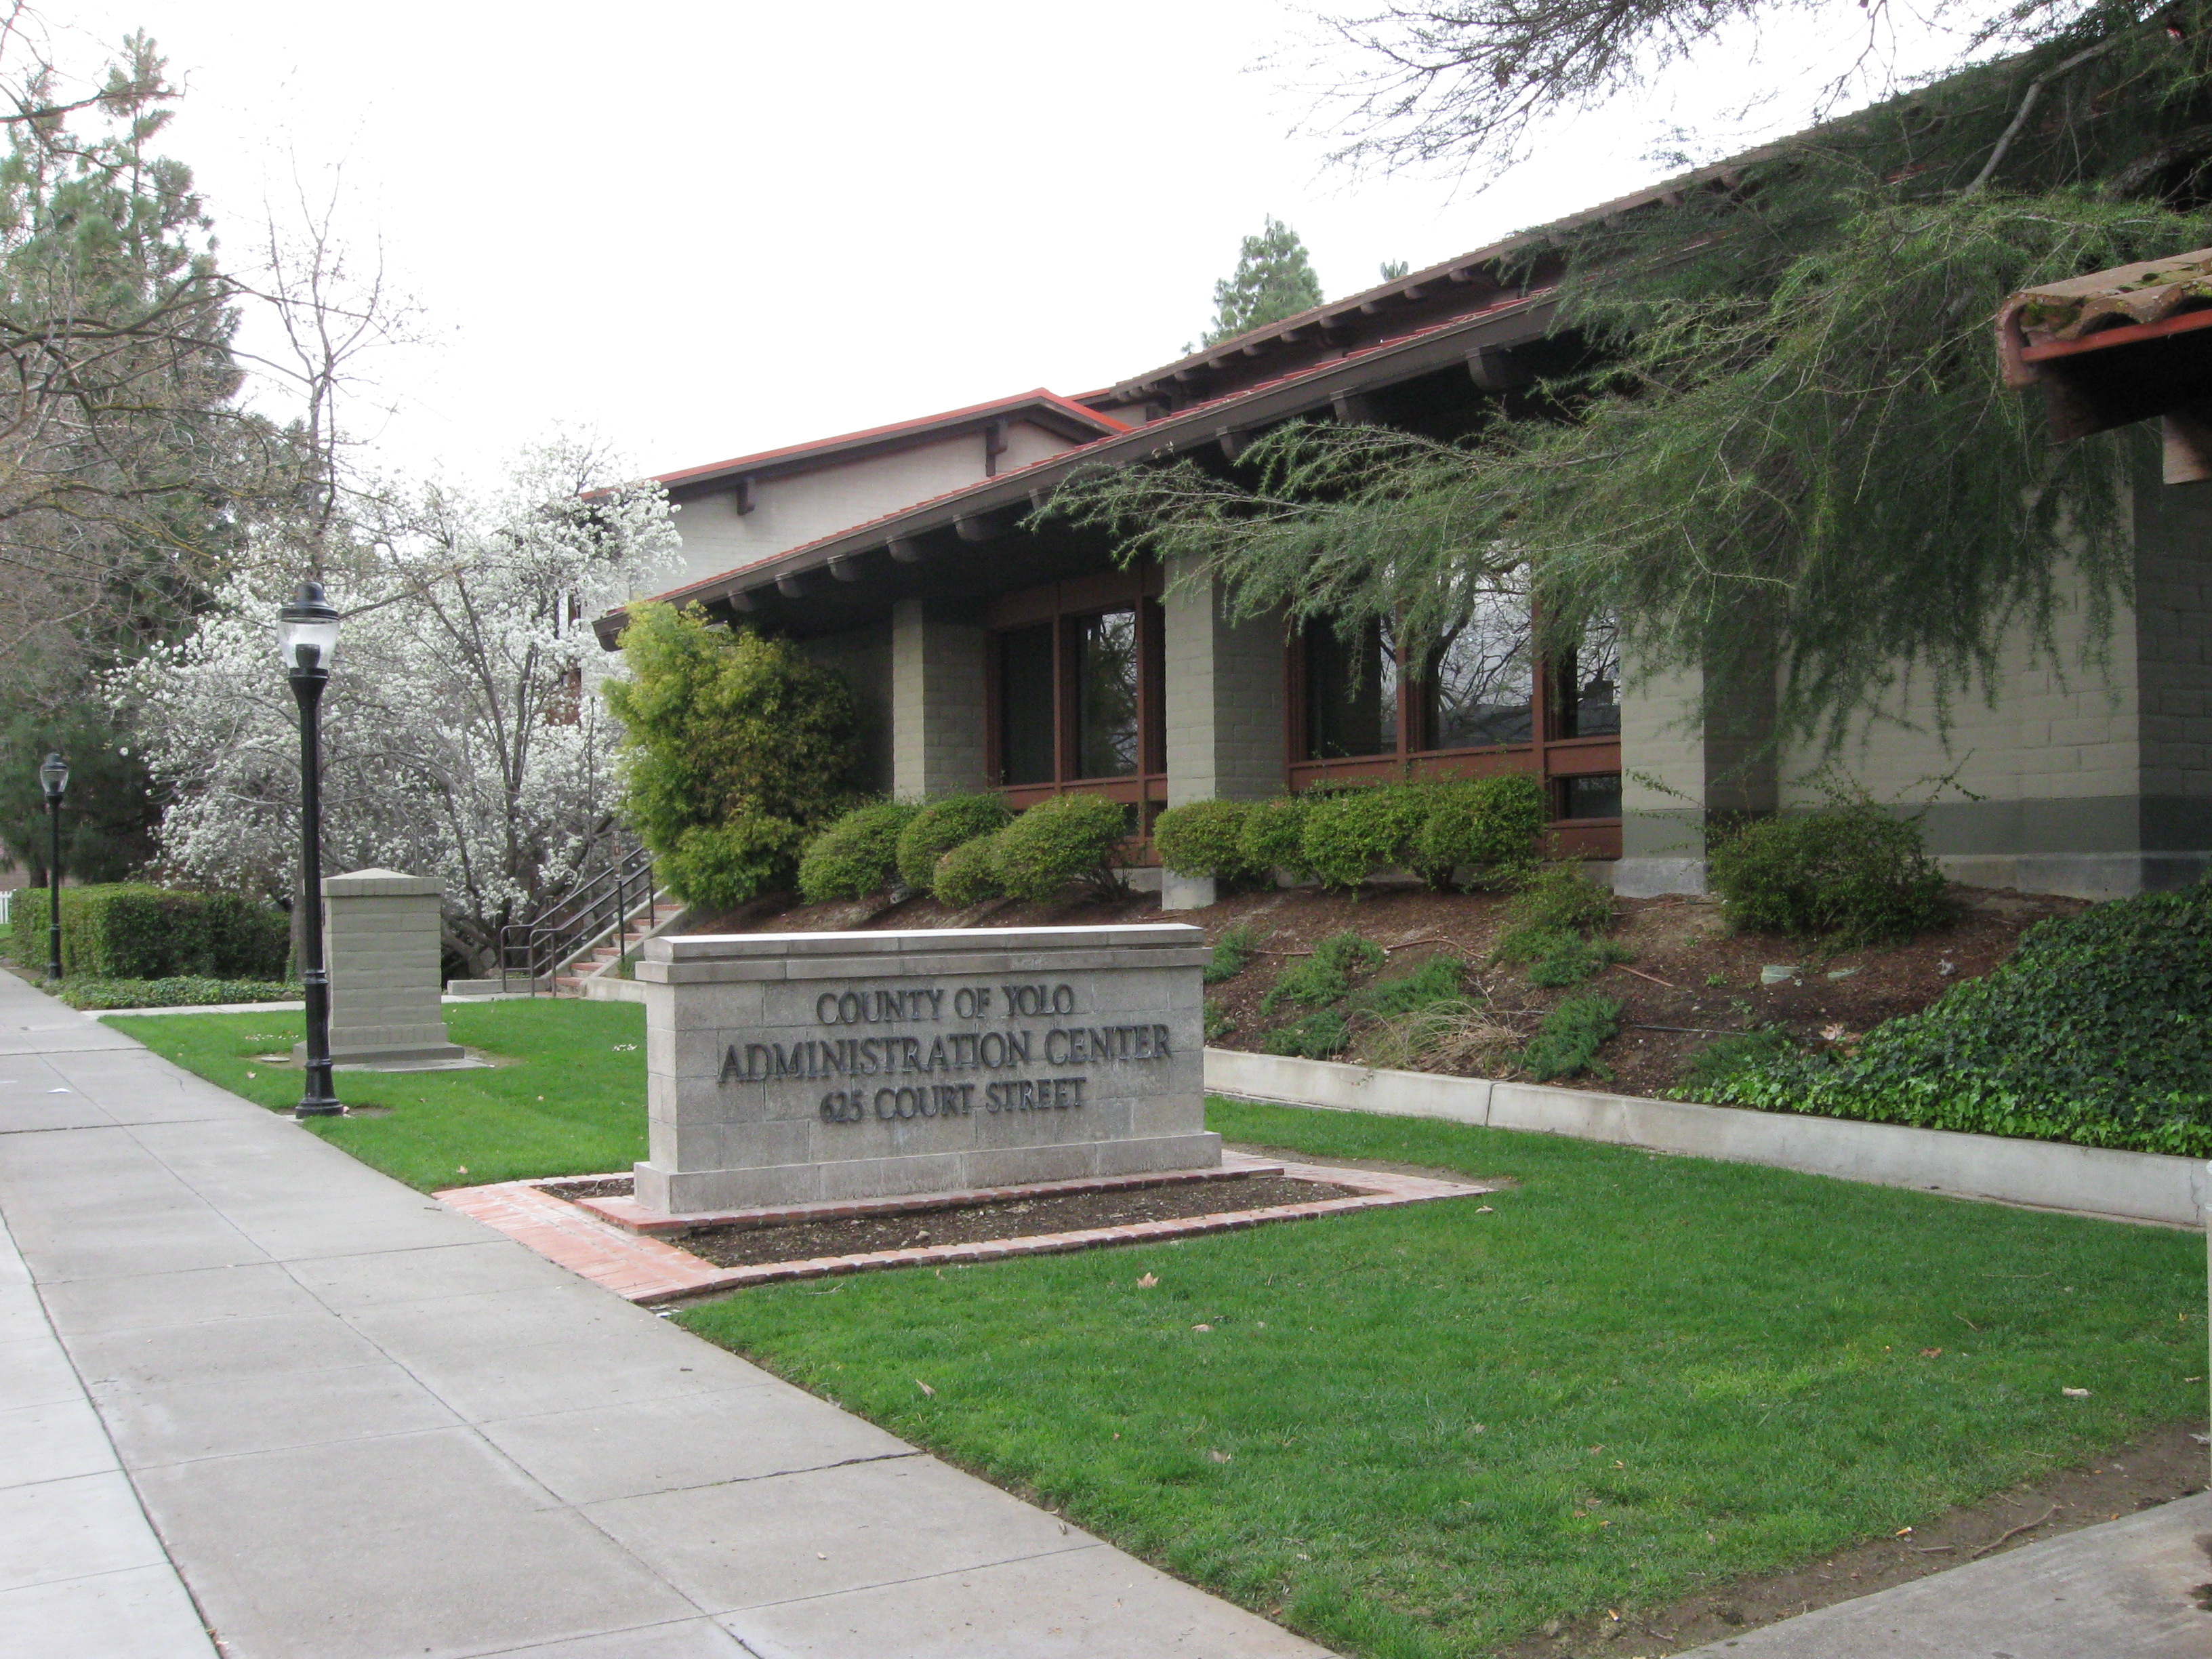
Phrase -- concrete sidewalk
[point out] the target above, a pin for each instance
(2126, 1589)
(247, 1380)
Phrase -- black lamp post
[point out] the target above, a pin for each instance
(53, 778)
(306, 639)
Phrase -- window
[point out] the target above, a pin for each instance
(1480, 688)
(1106, 667)
(1351, 691)
(1597, 796)
(1586, 696)
(1025, 704)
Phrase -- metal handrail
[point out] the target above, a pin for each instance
(604, 905)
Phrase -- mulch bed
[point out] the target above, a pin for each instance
(1027, 1218)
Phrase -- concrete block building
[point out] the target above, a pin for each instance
(988, 653)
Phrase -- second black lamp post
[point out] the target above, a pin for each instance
(53, 778)
(306, 639)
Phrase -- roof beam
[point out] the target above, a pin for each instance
(847, 570)
(1494, 370)
(745, 502)
(740, 600)
(905, 549)
(975, 527)
(791, 586)
(1233, 443)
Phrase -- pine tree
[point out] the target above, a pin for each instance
(1274, 279)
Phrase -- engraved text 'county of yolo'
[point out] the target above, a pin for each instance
(997, 1043)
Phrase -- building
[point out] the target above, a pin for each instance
(989, 652)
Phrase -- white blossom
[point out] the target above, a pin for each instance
(464, 734)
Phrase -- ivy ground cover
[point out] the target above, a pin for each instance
(1418, 1432)
(566, 1097)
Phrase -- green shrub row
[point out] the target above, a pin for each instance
(964, 849)
(129, 930)
(182, 991)
(2094, 1031)
(1446, 831)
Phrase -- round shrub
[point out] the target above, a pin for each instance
(1271, 836)
(968, 873)
(940, 826)
(1205, 838)
(1561, 900)
(720, 867)
(1067, 838)
(856, 855)
(1347, 836)
(1851, 872)
(1486, 826)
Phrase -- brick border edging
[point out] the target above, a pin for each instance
(2140, 1187)
(634, 1216)
(649, 1271)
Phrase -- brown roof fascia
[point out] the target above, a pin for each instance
(1061, 415)
(1441, 346)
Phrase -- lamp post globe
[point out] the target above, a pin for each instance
(307, 642)
(53, 778)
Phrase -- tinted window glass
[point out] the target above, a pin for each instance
(1025, 704)
(1351, 691)
(1595, 797)
(1588, 700)
(1106, 695)
(1481, 683)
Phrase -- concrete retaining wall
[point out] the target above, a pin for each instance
(2130, 1185)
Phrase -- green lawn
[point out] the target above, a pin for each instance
(1442, 1427)
(1636, 1375)
(572, 1101)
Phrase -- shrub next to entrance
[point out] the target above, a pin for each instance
(129, 930)
(856, 855)
(1204, 838)
(1069, 838)
(940, 826)
(2093, 1031)
(1850, 872)
(735, 748)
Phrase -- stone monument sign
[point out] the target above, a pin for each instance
(788, 1068)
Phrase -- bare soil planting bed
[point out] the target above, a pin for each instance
(1689, 978)
(1027, 1218)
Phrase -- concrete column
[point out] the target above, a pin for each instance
(381, 937)
(938, 717)
(1681, 773)
(1225, 710)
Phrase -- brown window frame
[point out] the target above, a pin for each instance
(1552, 759)
(1065, 605)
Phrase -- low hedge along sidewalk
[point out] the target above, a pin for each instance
(130, 930)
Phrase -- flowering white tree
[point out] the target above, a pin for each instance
(464, 734)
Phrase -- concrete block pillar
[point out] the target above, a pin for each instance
(1681, 773)
(1224, 708)
(938, 716)
(380, 939)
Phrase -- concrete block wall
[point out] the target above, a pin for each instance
(1662, 785)
(2174, 658)
(381, 938)
(1224, 696)
(938, 720)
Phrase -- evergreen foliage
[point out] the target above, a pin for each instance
(1351, 833)
(1786, 456)
(735, 748)
(1274, 279)
(1203, 838)
(1568, 1041)
(967, 873)
(1273, 832)
(1068, 839)
(856, 855)
(1325, 974)
(2093, 1031)
(1233, 951)
(1850, 873)
(131, 931)
(109, 812)
(1480, 830)
(940, 826)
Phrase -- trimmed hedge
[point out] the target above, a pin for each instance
(131, 930)
(1204, 838)
(2094, 1031)
(1851, 872)
(969, 874)
(856, 855)
(1486, 827)
(1272, 833)
(1069, 838)
(939, 827)
(1348, 837)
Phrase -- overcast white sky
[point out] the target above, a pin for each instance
(703, 229)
